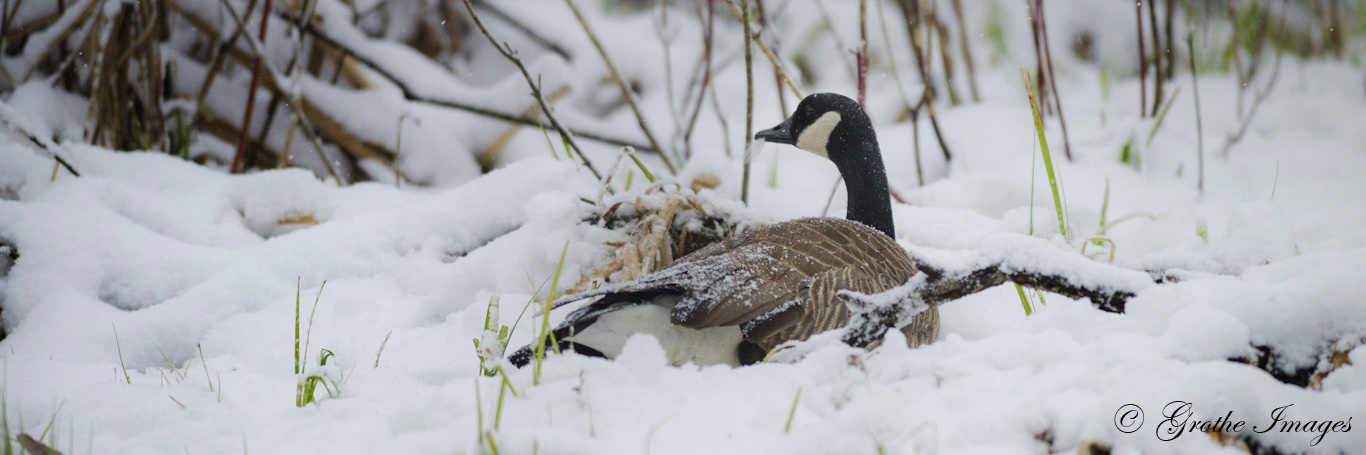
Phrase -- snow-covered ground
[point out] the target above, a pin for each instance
(151, 308)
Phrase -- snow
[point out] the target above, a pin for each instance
(178, 257)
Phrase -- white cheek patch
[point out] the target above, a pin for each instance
(814, 138)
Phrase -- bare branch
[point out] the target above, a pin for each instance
(1031, 263)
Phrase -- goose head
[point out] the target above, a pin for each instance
(835, 127)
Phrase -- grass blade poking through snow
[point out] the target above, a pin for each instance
(381, 348)
(1024, 300)
(1160, 116)
(545, 317)
(1043, 147)
(119, 346)
(492, 342)
(648, 175)
(305, 386)
(791, 413)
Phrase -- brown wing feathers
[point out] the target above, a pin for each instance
(778, 282)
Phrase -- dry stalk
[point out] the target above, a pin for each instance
(707, 21)
(946, 57)
(238, 157)
(666, 41)
(127, 82)
(1143, 61)
(650, 243)
(621, 84)
(82, 17)
(1199, 128)
(749, 102)
(1167, 26)
(861, 57)
(910, 9)
(914, 111)
(1053, 81)
(1157, 58)
(777, 77)
(965, 47)
(221, 51)
(772, 58)
(1041, 76)
(511, 55)
(276, 80)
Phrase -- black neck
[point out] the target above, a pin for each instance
(865, 180)
(869, 200)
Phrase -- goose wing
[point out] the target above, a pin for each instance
(779, 282)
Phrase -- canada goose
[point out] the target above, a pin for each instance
(735, 300)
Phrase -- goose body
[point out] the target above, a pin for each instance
(735, 300)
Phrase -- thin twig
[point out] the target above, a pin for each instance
(621, 84)
(511, 55)
(526, 31)
(15, 127)
(831, 200)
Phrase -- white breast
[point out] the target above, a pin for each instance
(712, 346)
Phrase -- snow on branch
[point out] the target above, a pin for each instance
(353, 45)
(950, 275)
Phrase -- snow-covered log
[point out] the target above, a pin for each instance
(950, 275)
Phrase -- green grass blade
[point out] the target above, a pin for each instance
(792, 413)
(648, 175)
(1047, 158)
(545, 316)
(1160, 116)
(1024, 300)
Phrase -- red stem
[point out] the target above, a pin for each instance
(242, 140)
